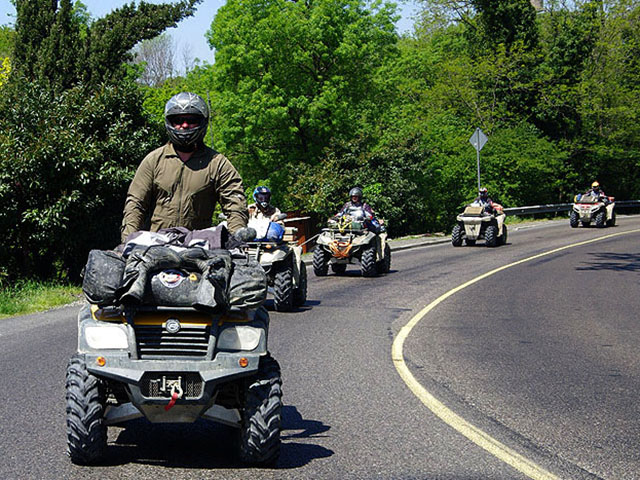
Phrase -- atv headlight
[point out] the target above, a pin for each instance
(105, 337)
(240, 337)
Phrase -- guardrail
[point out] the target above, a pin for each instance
(561, 207)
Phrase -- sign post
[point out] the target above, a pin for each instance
(478, 139)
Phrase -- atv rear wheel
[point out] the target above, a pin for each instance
(368, 261)
(574, 219)
(260, 422)
(283, 287)
(503, 238)
(300, 292)
(491, 236)
(384, 265)
(456, 235)
(86, 431)
(601, 218)
(338, 268)
(320, 262)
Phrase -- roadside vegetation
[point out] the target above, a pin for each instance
(30, 296)
(310, 99)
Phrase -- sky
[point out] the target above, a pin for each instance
(189, 34)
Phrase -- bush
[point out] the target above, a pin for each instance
(66, 160)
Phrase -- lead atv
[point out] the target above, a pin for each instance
(187, 341)
(589, 208)
(476, 223)
(281, 258)
(347, 240)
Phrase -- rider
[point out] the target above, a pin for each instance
(262, 207)
(178, 184)
(358, 209)
(484, 200)
(595, 190)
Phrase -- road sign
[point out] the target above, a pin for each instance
(478, 139)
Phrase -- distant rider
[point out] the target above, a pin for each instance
(595, 191)
(484, 200)
(262, 207)
(358, 209)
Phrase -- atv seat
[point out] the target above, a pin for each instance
(473, 210)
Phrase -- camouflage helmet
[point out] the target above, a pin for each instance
(186, 103)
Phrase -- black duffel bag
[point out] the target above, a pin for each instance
(102, 276)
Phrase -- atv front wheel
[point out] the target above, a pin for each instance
(260, 422)
(320, 262)
(86, 431)
(456, 235)
(339, 268)
(300, 293)
(574, 219)
(283, 288)
(612, 222)
(601, 218)
(491, 236)
(368, 262)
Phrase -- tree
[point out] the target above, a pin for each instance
(72, 131)
(158, 58)
(291, 78)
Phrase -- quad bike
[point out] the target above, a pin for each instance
(476, 223)
(172, 363)
(347, 240)
(281, 259)
(588, 208)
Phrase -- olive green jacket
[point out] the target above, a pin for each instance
(174, 193)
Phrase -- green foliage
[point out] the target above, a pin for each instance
(7, 40)
(60, 45)
(65, 163)
(30, 296)
(72, 131)
(293, 78)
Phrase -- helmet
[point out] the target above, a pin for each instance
(262, 196)
(356, 192)
(595, 186)
(483, 192)
(186, 103)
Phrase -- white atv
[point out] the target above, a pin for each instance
(282, 261)
(475, 223)
(347, 240)
(589, 208)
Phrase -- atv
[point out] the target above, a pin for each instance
(163, 359)
(589, 208)
(281, 258)
(476, 223)
(347, 240)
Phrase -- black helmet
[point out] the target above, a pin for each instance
(262, 196)
(356, 192)
(186, 103)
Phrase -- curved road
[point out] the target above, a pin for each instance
(542, 356)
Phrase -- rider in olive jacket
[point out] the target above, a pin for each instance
(178, 185)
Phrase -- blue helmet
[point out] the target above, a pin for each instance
(262, 196)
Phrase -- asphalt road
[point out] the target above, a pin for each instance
(542, 356)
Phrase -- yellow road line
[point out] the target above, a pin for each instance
(470, 431)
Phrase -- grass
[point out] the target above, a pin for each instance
(30, 296)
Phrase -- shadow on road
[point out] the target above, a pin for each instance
(207, 445)
(613, 261)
